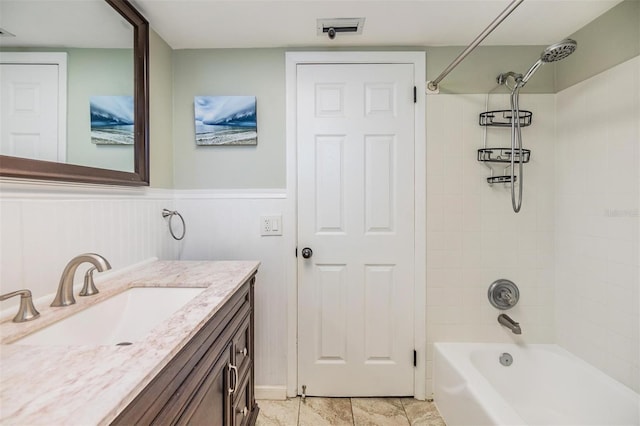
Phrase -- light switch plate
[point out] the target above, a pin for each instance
(271, 225)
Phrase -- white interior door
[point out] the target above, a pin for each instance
(355, 143)
(29, 111)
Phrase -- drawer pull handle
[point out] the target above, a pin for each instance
(234, 370)
(244, 411)
(243, 352)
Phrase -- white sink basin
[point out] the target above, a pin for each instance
(122, 319)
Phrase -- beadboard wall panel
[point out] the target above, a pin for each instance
(43, 226)
(226, 226)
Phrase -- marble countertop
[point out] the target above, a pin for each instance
(92, 384)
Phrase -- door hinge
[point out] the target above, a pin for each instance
(415, 358)
(415, 94)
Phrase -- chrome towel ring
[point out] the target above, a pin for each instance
(171, 213)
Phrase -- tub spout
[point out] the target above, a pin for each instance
(506, 321)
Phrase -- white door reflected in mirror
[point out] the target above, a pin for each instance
(31, 112)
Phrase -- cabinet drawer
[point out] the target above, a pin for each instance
(242, 402)
(242, 347)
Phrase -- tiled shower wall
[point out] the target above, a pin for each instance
(43, 226)
(598, 221)
(474, 237)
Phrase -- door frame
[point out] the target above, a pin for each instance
(418, 60)
(48, 58)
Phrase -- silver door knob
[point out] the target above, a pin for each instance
(307, 252)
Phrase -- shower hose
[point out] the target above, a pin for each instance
(516, 139)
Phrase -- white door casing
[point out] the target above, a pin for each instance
(33, 105)
(293, 59)
(357, 130)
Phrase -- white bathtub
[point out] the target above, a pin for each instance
(545, 385)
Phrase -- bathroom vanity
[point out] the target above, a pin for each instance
(210, 381)
(197, 367)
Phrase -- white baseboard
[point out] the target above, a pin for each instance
(278, 393)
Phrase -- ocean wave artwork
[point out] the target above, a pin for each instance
(111, 120)
(225, 120)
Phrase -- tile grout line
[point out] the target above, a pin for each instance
(298, 418)
(353, 417)
(405, 411)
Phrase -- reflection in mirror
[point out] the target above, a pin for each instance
(76, 75)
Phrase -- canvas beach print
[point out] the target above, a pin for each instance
(111, 120)
(226, 120)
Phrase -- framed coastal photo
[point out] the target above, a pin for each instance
(225, 120)
(111, 120)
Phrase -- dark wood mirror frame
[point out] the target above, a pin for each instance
(36, 169)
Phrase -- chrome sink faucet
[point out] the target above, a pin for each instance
(64, 297)
(506, 321)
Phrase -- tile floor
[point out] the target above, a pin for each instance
(348, 412)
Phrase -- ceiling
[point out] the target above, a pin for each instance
(63, 23)
(195, 24)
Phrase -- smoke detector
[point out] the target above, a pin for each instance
(333, 26)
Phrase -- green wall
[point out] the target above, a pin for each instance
(261, 72)
(96, 72)
(251, 72)
(176, 76)
(478, 72)
(110, 72)
(93, 72)
(607, 41)
(160, 112)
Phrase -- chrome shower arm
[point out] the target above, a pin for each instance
(531, 71)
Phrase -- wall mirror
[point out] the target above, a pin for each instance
(89, 59)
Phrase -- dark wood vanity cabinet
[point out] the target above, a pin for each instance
(211, 380)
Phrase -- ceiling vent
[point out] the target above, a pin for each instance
(333, 26)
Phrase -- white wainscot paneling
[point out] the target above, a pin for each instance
(226, 226)
(43, 226)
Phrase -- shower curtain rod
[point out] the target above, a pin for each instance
(432, 86)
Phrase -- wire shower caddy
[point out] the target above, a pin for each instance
(502, 118)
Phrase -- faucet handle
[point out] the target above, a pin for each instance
(503, 294)
(26, 311)
(89, 288)
(506, 295)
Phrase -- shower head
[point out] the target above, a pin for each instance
(558, 51)
(553, 53)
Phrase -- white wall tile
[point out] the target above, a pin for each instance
(598, 184)
(473, 236)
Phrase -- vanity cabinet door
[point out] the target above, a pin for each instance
(211, 405)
